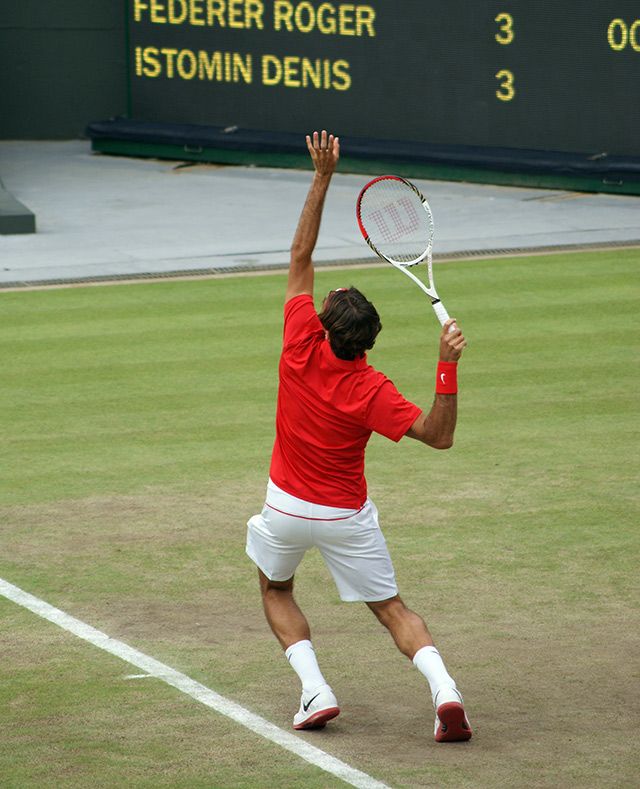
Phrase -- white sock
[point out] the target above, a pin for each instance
(303, 660)
(428, 661)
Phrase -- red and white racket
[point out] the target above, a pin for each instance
(396, 222)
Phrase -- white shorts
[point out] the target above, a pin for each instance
(350, 541)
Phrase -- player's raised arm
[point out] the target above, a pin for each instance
(324, 151)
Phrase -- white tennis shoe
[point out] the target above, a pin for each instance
(452, 724)
(316, 709)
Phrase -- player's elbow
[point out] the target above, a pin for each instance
(444, 442)
(300, 254)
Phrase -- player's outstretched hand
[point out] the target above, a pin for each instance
(452, 342)
(324, 151)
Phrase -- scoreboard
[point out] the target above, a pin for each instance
(550, 75)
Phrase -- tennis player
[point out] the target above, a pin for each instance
(330, 400)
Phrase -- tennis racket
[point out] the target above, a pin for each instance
(396, 222)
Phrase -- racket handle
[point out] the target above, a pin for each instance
(443, 315)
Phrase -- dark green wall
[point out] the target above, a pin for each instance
(62, 65)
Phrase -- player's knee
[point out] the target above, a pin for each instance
(389, 611)
(268, 586)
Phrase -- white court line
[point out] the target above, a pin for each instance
(192, 688)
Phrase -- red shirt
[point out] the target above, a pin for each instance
(327, 409)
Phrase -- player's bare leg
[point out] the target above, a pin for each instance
(285, 618)
(407, 628)
(412, 638)
(318, 703)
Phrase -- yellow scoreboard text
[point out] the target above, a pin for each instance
(344, 19)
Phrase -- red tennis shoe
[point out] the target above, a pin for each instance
(452, 724)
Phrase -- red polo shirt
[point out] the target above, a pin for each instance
(327, 409)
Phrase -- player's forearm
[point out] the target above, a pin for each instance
(306, 236)
(436, 428)
(440, 422)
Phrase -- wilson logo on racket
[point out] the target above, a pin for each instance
(396, 220)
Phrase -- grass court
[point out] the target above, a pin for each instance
(136, 425)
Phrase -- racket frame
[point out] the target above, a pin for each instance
(403, 266)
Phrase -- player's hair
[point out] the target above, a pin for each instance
(353, 323)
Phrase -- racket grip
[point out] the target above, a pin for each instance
(443, 315)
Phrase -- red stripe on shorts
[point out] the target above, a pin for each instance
(305, 518)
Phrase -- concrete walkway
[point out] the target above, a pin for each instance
(105, 216)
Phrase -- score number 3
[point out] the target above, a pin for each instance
(505, 36)
(506, 91)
